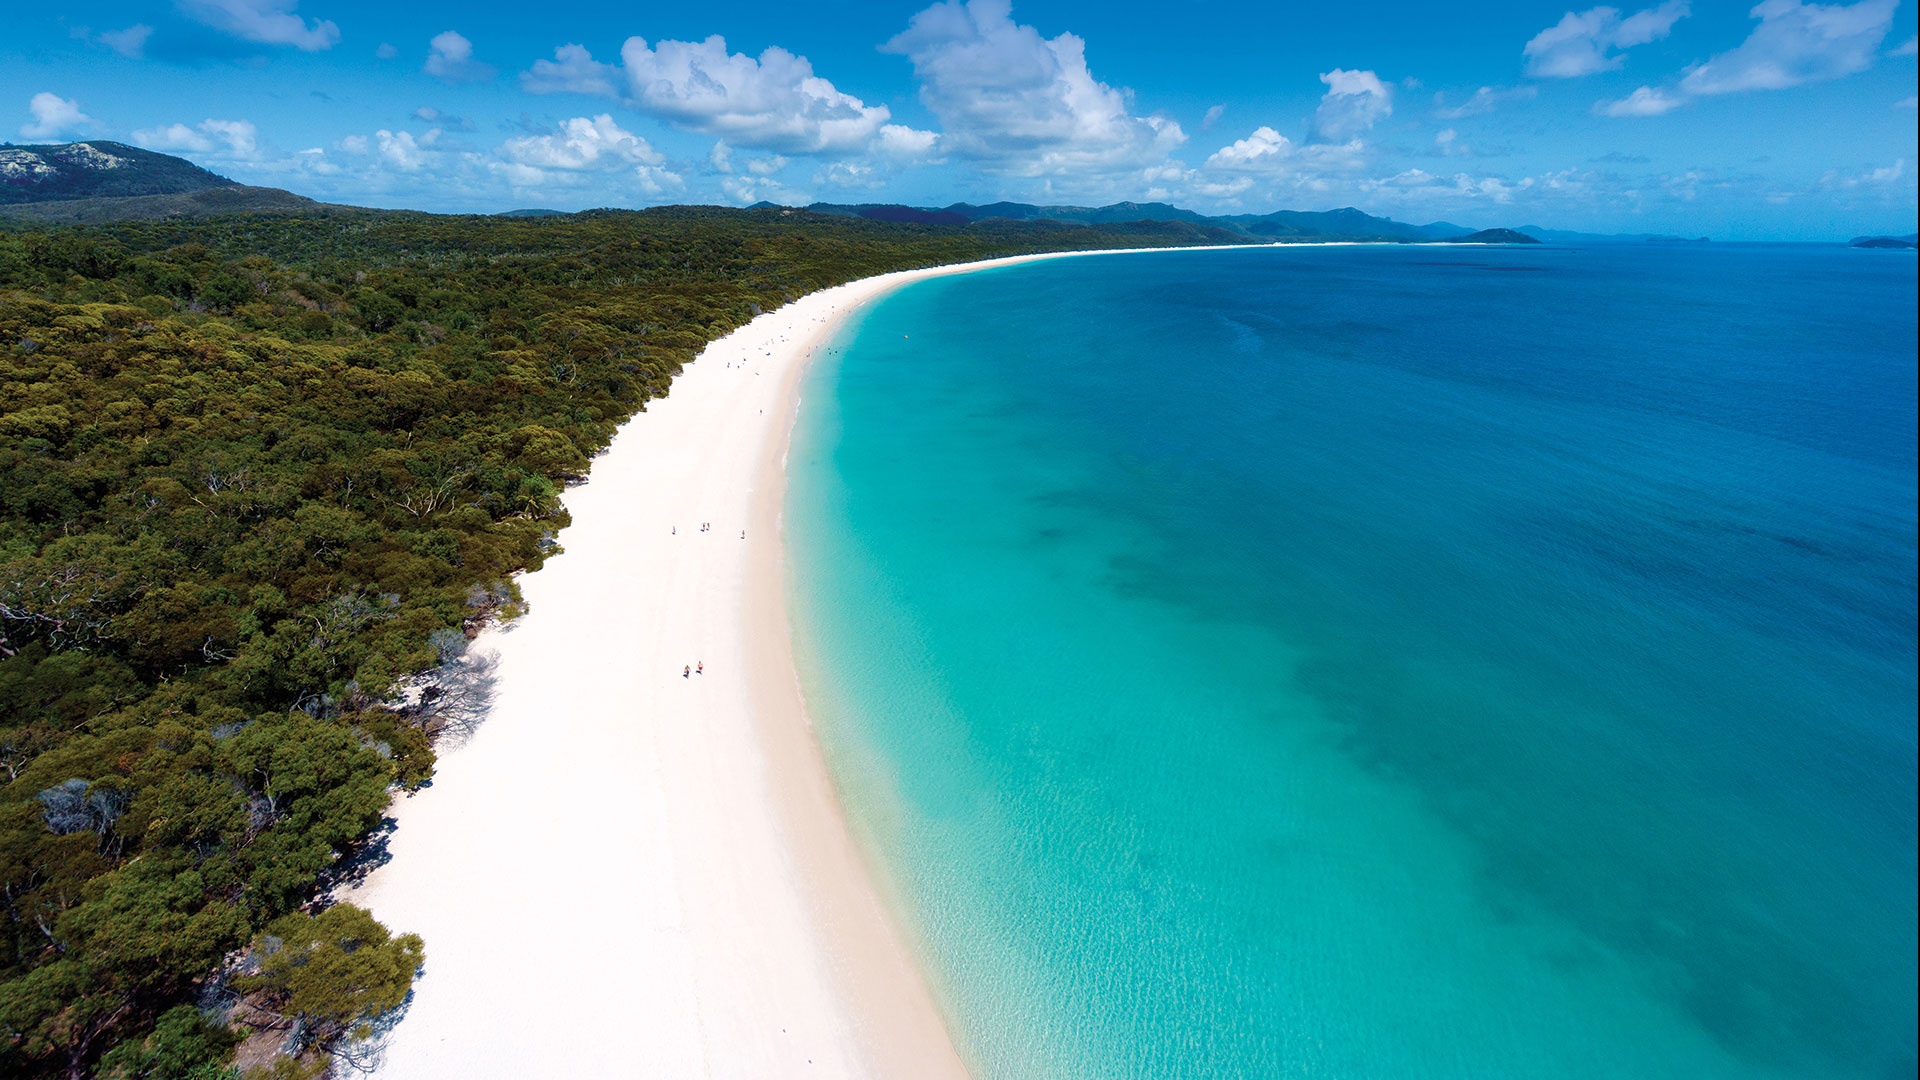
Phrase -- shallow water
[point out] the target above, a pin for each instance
(1383, 662)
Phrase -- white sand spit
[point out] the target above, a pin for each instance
(631, 873)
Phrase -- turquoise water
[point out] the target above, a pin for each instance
(1383, 662)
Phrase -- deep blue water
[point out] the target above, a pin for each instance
(1383, 662)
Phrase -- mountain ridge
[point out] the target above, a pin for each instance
(1345, 223)
(97, 168)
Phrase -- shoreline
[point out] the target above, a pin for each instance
(628, 871)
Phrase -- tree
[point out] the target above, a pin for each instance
(185, 1044)
(335, 974)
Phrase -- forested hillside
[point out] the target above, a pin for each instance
(259, 476)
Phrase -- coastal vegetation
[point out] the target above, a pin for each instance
(261, 478)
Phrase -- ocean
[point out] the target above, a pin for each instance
(1398, 662)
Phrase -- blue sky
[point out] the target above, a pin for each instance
(1782, 120)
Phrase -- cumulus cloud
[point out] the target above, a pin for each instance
(573, 70)
(746, 191)
(1645, 101)
(1353, 103)
(1483, 101)
(228, 138)
(386, 51)
(53, 115)
(582, 143)
(130, 43)
(1263, 149)
(269, 22)
(774, 101)
(585, 145)
(1585, 43)
(1214, 113)
(450, 59)
(848, 174)
(1019, 103)
(401, 150)
(1797, 43)
(905, 143)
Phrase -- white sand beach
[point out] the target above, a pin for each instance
(629, 872)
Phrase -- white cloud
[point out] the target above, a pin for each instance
(582, 143)
(1353, 103)
(1645, 101)
(227, 138)
(1448, 142)
(401, 150)
(720, 158)
(573, 70)
(1483, 101)
(450, 59)
(848, 174)
(746, 191)
(766, 166)
(314, 160)
(1022, 104)
(386, 51)
(1797, 43)
(130, 43)
(1214, 113)
(1225, 190)
(1908, 102)
(1264, 149)
(774, 101)
(52, 115)
(269, 22)
(1835, 180)
(1585, 43)
(900, 141)
(1906, 48)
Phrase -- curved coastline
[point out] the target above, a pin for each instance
(630, 870)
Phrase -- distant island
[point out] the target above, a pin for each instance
(1493, 236)
(1911, 240)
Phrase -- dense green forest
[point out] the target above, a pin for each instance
(259, 477)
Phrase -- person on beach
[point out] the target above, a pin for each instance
(700, 668)
(685, 671)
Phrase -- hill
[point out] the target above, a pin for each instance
(1346, 223)
(1570, 236)
(94, 170)
(206, 202)
(1910, 240)
(1492, 236)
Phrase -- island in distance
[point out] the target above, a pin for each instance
(1909, 241)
